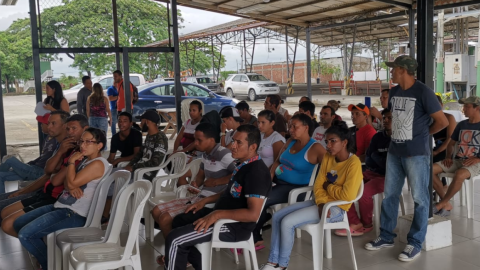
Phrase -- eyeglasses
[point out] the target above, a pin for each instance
(87, 142)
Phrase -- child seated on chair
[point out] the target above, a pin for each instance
(466, 164)
(339, 178)
(373, 177)
(242, 201)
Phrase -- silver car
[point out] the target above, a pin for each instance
(205, 81)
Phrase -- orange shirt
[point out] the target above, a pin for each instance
(121, 96)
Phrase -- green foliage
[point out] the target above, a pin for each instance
(68, 81)
(224, 74)
(320, 66)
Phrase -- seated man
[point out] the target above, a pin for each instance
(374, 179)
(467, 158)
(244, 111)
(362, 131)
(308, 108)
(128, 140)
(327, 115)
(155, 146)
(213, 176)
(241, 201)
(52, 183)
(13, 169)
(231, 121)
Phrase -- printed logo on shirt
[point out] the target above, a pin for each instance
(469, 144)
(236, 190)
(403, 109)
(319, 137)
(382, 150)
(332, 176)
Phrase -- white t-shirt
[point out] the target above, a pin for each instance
(266, 150)
(189, 127)
(319, 135)
(229, 137)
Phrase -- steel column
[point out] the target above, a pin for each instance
(115, 32)
(126, 82)
(3, 136)
(176, 63)
(439, 78)
(309, 65)
(411, 31)
(425, 63)
(36, 64)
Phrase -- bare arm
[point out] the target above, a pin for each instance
(316, 153)
(375, 113)
(213, 182)
(277, 147)
(124, 159)
(112, 98)
(439, 122)
(88, 107)
(450, 147)
(59, 178)
(109, 112)
(64, 106)
(92, 171)
(39, 183)
(178, 139)
(452, 123)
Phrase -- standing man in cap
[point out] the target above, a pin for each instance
(362, 132)
(467, 158)
(155, 147)
(413, 108)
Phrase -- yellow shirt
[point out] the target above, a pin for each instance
(346, 177)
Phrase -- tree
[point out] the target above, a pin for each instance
(320, 66)
(68, 81)
(224, 75)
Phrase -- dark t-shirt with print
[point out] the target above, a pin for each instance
(252, 180)
(467, 136)
(126, 146)
(411, 110)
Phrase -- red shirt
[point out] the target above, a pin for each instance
(55, 191)
(363, 137)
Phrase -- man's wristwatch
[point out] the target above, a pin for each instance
(222, 134)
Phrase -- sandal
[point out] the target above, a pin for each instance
(343, 232)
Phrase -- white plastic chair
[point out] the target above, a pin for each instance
(93, 216)
(377, 207)
(165, 185)
(248, 246)
(90, 232)
(111, 254)
(466, 193)
(318, 230)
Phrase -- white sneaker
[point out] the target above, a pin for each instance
(409, 254)
(268, 266)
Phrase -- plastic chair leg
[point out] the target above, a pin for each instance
(328, 243)
(235, 255)
(377, 203)
(352, 252)
(246, 255)
(254, 258)
(51, 249)
(299, 233)
(317, 249)
(463, 197)
(469, 194)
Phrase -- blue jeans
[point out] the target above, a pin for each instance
(285, 222)
(13, 169)
(417, 171)
(34, 225)
(114, 121)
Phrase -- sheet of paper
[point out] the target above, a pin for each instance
(40, 110)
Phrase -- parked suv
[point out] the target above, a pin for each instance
(205, 81)
(252, 84)
(106, 81)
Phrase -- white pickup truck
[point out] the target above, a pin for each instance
(106, 81)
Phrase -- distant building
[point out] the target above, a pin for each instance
(277, 72)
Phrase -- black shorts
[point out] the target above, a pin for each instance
(36, 201)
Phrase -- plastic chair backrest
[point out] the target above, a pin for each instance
(96, 202)
(178, 162)
(134, 196)
(194, 167)
(312, 180)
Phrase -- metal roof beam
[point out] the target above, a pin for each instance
(459, 4)
(364, 20)
(192, 4)
(395, 3)
(331, 8)
(223, 2)
(363, 13)
(292, 7)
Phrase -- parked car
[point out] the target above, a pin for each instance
(159, 79)
(252, 84)
(106, 81)
(205, 81)
(162, 95)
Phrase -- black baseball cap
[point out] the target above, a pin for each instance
(151, 115)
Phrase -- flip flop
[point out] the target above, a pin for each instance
(343, 232)
(366, 230)
(260, 247)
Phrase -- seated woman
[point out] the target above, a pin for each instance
(185, 137)
(339, 178)
(244, 111)
(71, 209)
(272, 141)
(294, 167)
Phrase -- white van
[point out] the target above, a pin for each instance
(106, 81)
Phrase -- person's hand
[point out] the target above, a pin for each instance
(223, 127)
(434, 153)
(14, 194)
(67, 144)
(204, 223)
(128, 168)
(210, 182)
(374, 111)
(326, 184)
(109, 122)
(320, 210)
(48, 107)
(328, 214)
(76, 156)
(471, 161)
(77, 193)
(195, 207)
(448, 162)
(191, 190)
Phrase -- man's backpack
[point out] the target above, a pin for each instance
(135, 94)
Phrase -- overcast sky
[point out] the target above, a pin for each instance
(194, 20)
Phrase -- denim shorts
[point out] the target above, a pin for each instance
(336, 214)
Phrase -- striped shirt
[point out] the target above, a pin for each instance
(218, 163)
